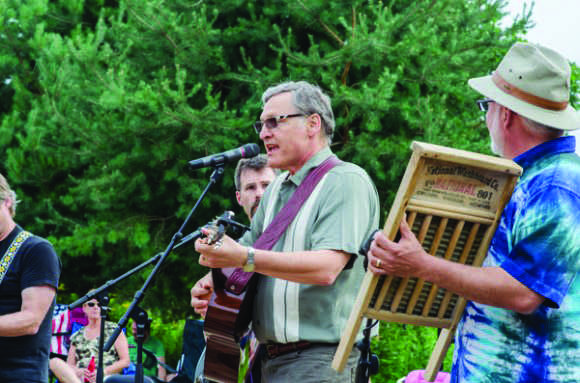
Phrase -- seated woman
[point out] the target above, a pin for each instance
(85, 346)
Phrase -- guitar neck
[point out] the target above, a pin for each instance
(220, 276)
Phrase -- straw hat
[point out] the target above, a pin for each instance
(533, 81)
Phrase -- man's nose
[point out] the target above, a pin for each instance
(265, 133)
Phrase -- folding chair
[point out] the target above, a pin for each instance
(192, 348)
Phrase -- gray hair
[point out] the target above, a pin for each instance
(7, 193)
(256, 163)
(308, 99)
(541, 129)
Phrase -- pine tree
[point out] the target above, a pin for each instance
(103, 103)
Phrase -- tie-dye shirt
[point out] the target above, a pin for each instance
(538, 243)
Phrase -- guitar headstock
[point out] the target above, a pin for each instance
(217, 228)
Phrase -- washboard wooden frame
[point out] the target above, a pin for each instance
(453, 200)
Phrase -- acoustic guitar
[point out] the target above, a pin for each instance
(228, 318)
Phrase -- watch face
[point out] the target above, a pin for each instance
(249, 266)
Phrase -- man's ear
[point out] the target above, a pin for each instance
(238, 197)
(314, 124)
(507, 117)
(9, 204)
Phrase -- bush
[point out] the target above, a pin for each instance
(404, 348)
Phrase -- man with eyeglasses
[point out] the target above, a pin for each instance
(309, 279)
(29, 273)
(522, 323)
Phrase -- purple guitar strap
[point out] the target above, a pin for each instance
(239, 278)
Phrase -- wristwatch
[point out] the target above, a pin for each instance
(250, 265)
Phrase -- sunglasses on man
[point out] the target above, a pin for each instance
(484, 104)
(92, 304)
(272, 122)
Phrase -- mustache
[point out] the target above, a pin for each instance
(255, 206)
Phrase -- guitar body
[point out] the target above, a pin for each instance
(227, 321)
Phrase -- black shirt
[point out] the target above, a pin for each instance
(25, 358)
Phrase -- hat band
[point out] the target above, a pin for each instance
(525, 96)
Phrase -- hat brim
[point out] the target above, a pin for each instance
(567, 119)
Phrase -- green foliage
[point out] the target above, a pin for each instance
(171, 334)
(103, 103)
(404, 348)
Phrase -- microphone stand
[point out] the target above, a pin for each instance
(96, 292)
(100, 293)
(368, 363)
(140, 319)
(167, 367)
(103, 302)
(215, 177)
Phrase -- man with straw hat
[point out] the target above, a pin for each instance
(522, 323)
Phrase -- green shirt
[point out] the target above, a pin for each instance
(340, 214)
(149, 364)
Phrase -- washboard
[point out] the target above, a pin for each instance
(453, 200)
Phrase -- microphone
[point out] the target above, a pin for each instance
(244, 151)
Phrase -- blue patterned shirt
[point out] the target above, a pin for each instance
(538, 243)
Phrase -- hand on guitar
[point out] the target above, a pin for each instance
(224, 252)
(201, 294)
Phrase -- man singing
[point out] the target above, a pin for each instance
(309, 279)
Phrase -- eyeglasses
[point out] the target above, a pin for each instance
(272, 122)
(484, 104)
(92, 304)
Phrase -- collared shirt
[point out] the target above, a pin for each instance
(538, 243)
(341, 212)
